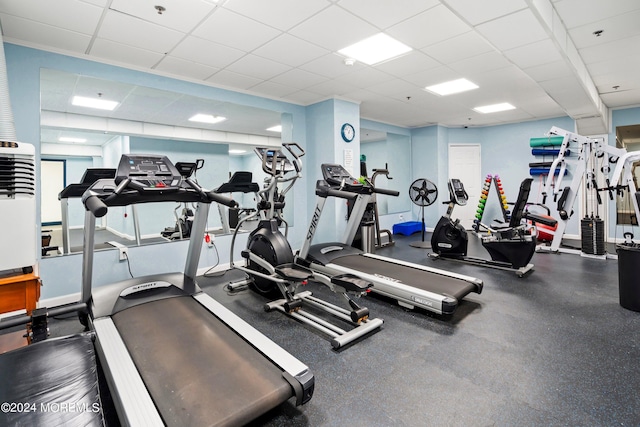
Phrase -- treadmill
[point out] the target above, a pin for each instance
(412, 285)
(172, 355)
(75, 191)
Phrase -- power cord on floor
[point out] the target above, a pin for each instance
(208, 273)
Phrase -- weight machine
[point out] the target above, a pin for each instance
(582, 168)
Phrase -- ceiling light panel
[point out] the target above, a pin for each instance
(375, 49)
(71, 139)
(494, 108)
(452, 87)
(207, 118)
(276, 128)
(97, 103)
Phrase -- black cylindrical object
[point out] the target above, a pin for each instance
(593, 236)
(629, 275)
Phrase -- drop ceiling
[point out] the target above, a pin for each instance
(548, 58)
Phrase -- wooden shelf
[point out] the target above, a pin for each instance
(19, 292)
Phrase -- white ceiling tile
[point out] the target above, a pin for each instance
(331, 88)
(206, 52)
(627, 67)
(542, 106)
(457, 48)
(550, 71)
(333, 29)
(430, 27)
(480, 64)
(230, 29)
(233, 80)
(281, 14)
(182, 16)
(108, 49)
(101, 3)
(410, 63)
(128, 30)
(513, 30)
(331, 66)
(621, 99)
(433, 76)
(85, 16)
(272, 89)
(260, 68)
(386, 12)
(476, 12)
(290, 50)
(298, 79)
(304, 97)
(396, 89)
(531, 55)
(577, 12)
(365, 77)
(41, 34)
(181, 67)
(615, 28)
(611, 51)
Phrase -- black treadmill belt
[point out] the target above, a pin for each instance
(409, 276)
(197, 370)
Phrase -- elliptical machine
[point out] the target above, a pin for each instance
(273, 268)
(511, 246)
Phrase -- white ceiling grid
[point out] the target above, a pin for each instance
(540, 55)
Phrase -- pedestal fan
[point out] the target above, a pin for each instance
(423, 193)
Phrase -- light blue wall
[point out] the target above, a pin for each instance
(504, 151)
(316, 128)
(60, 275)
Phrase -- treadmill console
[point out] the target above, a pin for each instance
(274, 161)
(457, 192)
(148, 172)
(337, 176)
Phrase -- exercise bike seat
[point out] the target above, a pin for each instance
(293, 272)
(351, 283)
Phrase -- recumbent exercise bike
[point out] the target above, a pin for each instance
(511, 246)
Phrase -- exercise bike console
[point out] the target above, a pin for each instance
(458, 194)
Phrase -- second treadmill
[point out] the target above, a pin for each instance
(412, 285)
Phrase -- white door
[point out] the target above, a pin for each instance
(51, 183)
(465, 165)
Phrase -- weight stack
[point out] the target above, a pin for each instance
(593, 236)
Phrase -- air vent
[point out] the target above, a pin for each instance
(17, 172)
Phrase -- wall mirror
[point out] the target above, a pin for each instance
(145, 120)
(628, 137)
(393, 151)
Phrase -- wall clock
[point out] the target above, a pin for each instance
(348, 132)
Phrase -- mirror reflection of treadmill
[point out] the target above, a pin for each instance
(72, 238)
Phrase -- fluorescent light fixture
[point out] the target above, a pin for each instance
(375, 49)
(234, 151)
(494, 108)
(99, 103)
(207, 118)
(71, 139)
(276, 128)
(451, 87)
